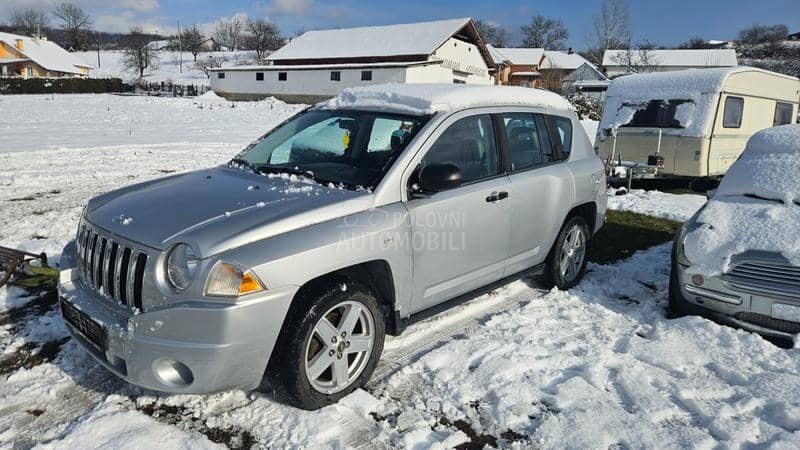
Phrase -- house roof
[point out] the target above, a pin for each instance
(288, 68)
(553, 59)
(44, 53)
(675, 58)
(421, 38)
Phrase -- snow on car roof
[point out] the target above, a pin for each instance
(431, 98)
(700, 86)
(733, 222)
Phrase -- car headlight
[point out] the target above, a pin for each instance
(181, 266)
(227, 280)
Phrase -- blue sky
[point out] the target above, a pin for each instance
(665, 22)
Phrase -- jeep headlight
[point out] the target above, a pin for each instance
(181, 266)
(228, 280)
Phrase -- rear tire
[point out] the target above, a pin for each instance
(566, 263)
(329, 345)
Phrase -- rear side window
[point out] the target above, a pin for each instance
(469, 144)
(528, 142)
(563, 135)
(783, 114)
(732, 116)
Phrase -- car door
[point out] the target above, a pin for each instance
(541, 187)
(460, 235)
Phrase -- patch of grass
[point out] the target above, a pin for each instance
(626, 232)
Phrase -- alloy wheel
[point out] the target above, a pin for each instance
(573, 252)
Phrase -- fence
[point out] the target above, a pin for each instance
(98, 86)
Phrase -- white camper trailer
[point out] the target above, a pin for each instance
(691, 123)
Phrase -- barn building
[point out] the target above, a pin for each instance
(623, 62)
(319, 64)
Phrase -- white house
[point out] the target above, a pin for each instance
(620, 62)
(319, 64)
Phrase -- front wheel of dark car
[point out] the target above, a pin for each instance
(329, 346)
(566, 263)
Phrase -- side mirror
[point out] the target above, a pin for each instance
(439, 177)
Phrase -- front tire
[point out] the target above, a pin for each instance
(329, 346)
(566, 263)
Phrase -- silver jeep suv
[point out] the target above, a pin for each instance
(290, 263)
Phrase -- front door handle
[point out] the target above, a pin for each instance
(496, 196)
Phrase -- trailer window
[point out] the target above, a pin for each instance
(732, 116)
(783, 114)
(657, 114)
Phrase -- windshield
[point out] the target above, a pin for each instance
(349, 148)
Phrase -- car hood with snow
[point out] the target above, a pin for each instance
(220, 208)
(757, 205)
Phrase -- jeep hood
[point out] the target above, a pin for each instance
(220, 208)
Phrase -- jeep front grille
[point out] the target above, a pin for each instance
(765, 277)
(111, 268)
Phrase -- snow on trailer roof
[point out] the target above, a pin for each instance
(700, 86)
(377, 41)
(431, 98)
(44, 53)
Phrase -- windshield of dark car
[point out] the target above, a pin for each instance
(349, 148)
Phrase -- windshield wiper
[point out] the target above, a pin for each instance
(758, 197)
(241, 162)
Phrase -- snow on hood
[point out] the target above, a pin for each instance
(731, 223)
(700, 86)
(431, 98)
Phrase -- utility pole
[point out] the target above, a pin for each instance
(97, 36)
(180, 47)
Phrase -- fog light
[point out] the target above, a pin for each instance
(698, 280)
(172, 373)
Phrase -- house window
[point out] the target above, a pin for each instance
(732, 117)
(336, 76)
(457, 81)
(281, 76)
(259, 76)
(221, 75)
(29, 71)
(783, 114)
(366, 75)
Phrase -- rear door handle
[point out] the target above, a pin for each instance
(496, 196)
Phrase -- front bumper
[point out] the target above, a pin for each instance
(223, 344)
(717, 300)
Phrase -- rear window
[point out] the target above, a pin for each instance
(732, 116)
(657, 114)
(783, 114)
(563, 135)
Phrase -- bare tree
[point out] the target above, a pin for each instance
(492, 34)
(29, 22)
(763, 34)
(138, 54)
(611, 28)
(74, 21)
(228, 32)
(641, 59)
(192, 40)
(211, 62)
(544, 33)
(695, 43)
(262, 36)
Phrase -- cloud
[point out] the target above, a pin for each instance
(289, 7)
(123, 21)
(139, 5)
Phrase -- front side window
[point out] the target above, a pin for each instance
(732, 116)
(352, 148)
(563, 135)
(468, 144)
(783, 114)
(336, 76)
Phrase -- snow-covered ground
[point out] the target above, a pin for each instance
(168, 67)
(678, 207)
(597, 366)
